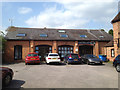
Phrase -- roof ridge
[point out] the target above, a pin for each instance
(50, 28)
(101, 32)
(92, 34)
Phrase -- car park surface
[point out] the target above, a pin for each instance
(64, 76)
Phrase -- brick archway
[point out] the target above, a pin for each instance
(85, 49)
(42, 50)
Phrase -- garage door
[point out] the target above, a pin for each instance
(85, 49)
(42, 50)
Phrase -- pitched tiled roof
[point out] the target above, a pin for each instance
(53, 34)
(110, 44)
(116, 19)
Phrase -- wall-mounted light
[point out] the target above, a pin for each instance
(31, 46)
(76, 44)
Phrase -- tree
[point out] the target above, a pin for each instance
(102, 30)
(111, 32)
(2, 41)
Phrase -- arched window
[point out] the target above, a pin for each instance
(18, 52)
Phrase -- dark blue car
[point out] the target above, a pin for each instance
(116, 63)
(72, 58)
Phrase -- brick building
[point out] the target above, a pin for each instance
(116, 34)
(112, 49)
(109, 50)
(21, 41)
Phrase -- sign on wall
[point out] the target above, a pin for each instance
(86, 42)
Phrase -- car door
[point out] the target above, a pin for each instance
(117, 60)
(65, 57)
(85, 58)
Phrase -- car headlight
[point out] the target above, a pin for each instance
(90, 59)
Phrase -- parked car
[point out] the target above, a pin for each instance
(52, 57)
(72, 58)
(32, 58)
(6, 75)
(116, 63)
(91, 59)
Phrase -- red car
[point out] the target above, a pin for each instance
(6, 75)
(32, 58)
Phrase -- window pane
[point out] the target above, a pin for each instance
(84, 36)
(64, 35)
(65, 48)
(61, 31)
(68, 48)
(36, 48)
(101, 36)
(21, 34)
(32, 55)
(50, 48)
(18, 52)
(112, 52)
(53, 54)
(59, 48)
(36, 51)
(43, 35)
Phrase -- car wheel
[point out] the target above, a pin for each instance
(47, 63)
(67, 63)
(88, 62)
(7, 80)
(118, 68)
(26, 63)
(101, 63)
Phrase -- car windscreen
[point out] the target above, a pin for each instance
(32, 55)
(53, 54)
(74, 55)
(118, 57)
(91, 56)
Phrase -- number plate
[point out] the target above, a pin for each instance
(32, 58)
(54, 58)
(75, 59)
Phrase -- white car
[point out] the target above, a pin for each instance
(53, 57)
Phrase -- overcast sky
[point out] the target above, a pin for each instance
(75, 14)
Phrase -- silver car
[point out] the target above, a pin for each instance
(91, 59)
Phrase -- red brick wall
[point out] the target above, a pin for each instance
(116, 30)
(101, 47)
(9, 48)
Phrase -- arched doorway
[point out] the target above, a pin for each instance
(85, 49)
(64, 49)
(42, 50)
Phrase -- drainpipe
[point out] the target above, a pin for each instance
(29, 45)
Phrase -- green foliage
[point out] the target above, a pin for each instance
(111, 32)
(2, 43)
(102, 30)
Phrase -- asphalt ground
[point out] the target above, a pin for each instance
(63, 76)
